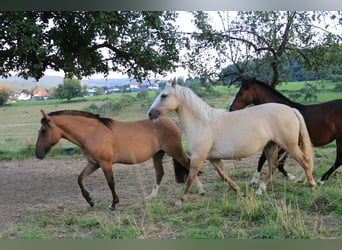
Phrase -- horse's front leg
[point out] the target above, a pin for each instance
(89, 169)
(271, 153)
(195, 167)
(108, 172)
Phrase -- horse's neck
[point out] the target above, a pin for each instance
(190, 116)
(271, 97)
(75, 129)
(186, 117)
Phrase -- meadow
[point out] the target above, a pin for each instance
(286, 211)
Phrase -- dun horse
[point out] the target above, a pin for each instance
(324, 120)
(105, 141)
(214, 134)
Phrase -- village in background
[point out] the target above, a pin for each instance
(30, 89)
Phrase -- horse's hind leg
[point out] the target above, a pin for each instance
(338, 162)
(271, 154)
(89, 169)
(305, 163)
(159, 172)
(219, 166)
(256, 175)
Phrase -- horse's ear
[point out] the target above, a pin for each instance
(174, 83)
(44, 114)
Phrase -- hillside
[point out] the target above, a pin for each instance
(17, 84)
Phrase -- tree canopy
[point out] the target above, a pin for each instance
(82, 43)
(143, 43)
(262, 41)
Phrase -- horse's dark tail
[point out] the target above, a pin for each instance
(181, 172)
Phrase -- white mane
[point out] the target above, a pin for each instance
(197, 106)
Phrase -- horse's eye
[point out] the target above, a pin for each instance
(163, 96)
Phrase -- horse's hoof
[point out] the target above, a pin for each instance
(202, 193)
(240, 194)
(292, 177)
(258, 192)
(150, 197)
(111, 207)
(320, 182)
(91, 202)
(252, 184)
(178, 203)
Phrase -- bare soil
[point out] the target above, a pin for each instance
(30, 185)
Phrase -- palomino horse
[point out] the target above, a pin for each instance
(214, 134)
(105, 141)
(324, 120)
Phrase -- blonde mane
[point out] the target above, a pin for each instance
(196, 105)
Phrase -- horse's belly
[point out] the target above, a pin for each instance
(235, 151)
(134, 156)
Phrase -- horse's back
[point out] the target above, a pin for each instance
(252, 128)
(271, 121)
(137, 141)
(267, 110)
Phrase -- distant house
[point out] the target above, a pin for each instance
(40, 94)
(24, 96)
(154, 86)
(134, 87)
(91, 91)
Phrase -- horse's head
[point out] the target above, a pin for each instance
(48, 136)
(165, 102)
(243, 97)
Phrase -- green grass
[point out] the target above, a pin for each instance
(286, 211)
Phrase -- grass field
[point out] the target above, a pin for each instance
(287, 211)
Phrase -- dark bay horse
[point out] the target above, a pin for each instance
(216, 134)
(324, 120)
(105, 141)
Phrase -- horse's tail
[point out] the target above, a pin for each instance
(181, 172)
(304, 140)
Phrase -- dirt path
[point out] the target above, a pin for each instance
(32, 184)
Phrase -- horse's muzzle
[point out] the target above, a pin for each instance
(231, 109)
(153, 114)
(40, 154)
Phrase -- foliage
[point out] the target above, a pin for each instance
(143, 94)
(261, 41)
(309, 91)
(4, 94)
(69, 89)
(82, 43)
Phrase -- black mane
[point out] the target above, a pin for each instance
(105, 121)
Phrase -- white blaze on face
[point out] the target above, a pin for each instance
(234, 97)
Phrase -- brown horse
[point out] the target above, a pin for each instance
(105, 141)
(324, 120)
